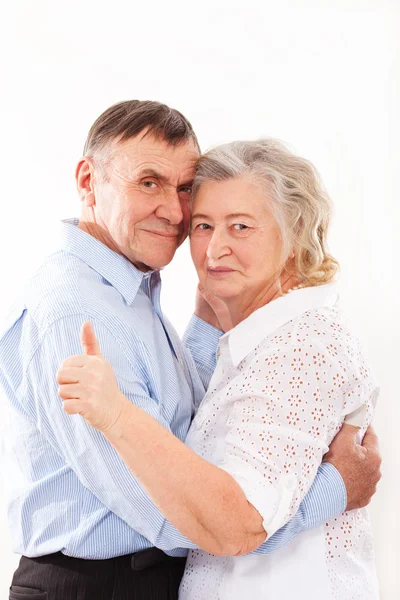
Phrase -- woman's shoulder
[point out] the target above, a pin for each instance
(323, 324)
(320, 334)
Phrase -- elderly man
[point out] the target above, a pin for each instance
(84, 525)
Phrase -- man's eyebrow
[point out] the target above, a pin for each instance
(187, 183)
(152, 173)
(149, 172)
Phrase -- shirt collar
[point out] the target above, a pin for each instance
(113, 267)
(248, 334)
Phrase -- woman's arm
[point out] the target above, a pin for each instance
(203, 501)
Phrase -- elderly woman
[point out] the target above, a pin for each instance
(288, 373)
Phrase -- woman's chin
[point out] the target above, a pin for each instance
(221, 289)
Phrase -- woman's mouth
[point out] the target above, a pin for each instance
(219, 270)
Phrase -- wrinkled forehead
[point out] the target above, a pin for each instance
(147, 152)
(240, 199)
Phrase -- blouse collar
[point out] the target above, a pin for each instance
(248, 334)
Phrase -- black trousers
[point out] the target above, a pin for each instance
(147, 575)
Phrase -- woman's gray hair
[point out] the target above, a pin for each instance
(299, 202)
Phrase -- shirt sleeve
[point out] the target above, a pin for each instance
(84, 449)
(326, 499)
(287, 403)
(202, 340)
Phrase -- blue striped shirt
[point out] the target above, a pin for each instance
(68, 489)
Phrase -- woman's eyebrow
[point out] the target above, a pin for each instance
(231, 216)
(236, 215)
(200, 216)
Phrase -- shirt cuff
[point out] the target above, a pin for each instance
(327, 497)
(202, 340)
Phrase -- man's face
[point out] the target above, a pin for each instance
(142, 197)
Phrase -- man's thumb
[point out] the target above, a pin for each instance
(89, 341)
(350, 431)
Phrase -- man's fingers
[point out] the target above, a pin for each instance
(370, 440)
(346, 433)
(89, 341)
(349, 430)
(219, 307)
(210, 298)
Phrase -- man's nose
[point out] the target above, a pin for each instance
(217, 246)
(171, 208)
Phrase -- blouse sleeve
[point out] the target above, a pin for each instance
(287, 403)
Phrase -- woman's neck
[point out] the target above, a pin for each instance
(242, 306)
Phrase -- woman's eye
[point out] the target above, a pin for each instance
(240, 227)
(203, 226)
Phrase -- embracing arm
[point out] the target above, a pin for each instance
(203, 501)
(89, 455)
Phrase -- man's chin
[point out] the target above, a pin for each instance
(159, 263)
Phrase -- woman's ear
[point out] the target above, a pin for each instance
(84, 176)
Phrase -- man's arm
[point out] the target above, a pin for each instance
(347, 479)
(202, 340)
(85, 450)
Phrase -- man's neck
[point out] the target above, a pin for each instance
(90, 226)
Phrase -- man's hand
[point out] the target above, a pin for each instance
(359, 465)
(213, 310)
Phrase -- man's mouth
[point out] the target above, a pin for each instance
(163, 234)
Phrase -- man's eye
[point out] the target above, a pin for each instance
(187, 189)
(203, 226)
(240, 227)
(149, 184)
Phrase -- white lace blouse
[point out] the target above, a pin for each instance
(286, 379)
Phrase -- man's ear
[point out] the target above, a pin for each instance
(84, 176)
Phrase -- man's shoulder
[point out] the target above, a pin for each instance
(62, 287)
(65, 285)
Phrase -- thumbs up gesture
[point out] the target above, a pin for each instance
(88, 386)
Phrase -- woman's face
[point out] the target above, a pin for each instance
(235, 241)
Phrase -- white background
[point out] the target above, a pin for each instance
(322, 76)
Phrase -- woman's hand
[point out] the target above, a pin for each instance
(88, 385)
(213, 310)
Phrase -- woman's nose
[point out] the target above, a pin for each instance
(217, 246)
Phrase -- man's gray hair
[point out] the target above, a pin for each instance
(295, 194)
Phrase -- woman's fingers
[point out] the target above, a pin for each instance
(89, 341)
(73, 407)
(69, 375)
(71, 391)
(80, 360)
